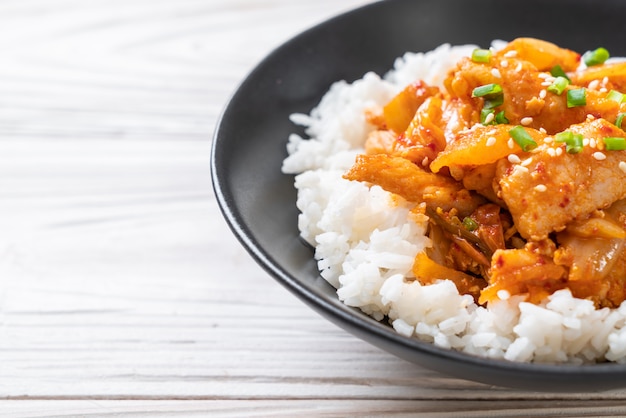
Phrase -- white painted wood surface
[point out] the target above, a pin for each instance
(122, 291)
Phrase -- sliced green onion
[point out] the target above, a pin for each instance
(522, 138)
(616, 96)
(619, 120)
(565, 136)
(501, 118)
(575, 147)
(492, 102)
(470, 224)
(573, 142)
(576, 97)
(596, 57)
(487, 90)
(615, 143)
(557, 71)
(496, 119)
(481, 55)
(484, 116)
(559, 85)
(492, 96)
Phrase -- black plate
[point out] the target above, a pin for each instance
(258, 201)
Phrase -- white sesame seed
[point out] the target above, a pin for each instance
(541, 188)
(558, 151)
(514, 159)
(492, 132)
(546, 83)
(551, 152)
(504, 63)
(592, 143)
(496, 73)
(527, 162)
(425, 162)
(622, 166)
(520, 169)
(518, 68)
(511, 143)
(542, 94)
(491, 141)
(590, 117)
(526, 121)
(603, 90)
(543, 131)
(548, 140)
(543, 76)
(510, 54)
(599, 156)
(489, 118)
(503, 294)
(605, 80)
(593, 85)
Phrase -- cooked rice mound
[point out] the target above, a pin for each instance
(366, 240)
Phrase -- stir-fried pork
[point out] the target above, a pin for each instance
(520, 162)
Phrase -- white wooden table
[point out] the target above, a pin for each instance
(122, 291)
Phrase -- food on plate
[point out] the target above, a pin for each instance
(475, 198)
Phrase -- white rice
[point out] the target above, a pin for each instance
(366, 241)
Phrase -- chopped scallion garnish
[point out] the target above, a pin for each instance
(564, 136)
(491, 102)
(616, 96)
(485, 117)
(573, 142)
(470, 224)
(615, 143)
(595, 57)
(557, 71)
(496, 119)
(487, 90)
(501, 118)
(522, 138)
(576, 97)
(619, 120)
(558, 86)
(481, 55)
(493, 97)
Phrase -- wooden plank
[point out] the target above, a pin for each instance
(317, 407)
(135, 69)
